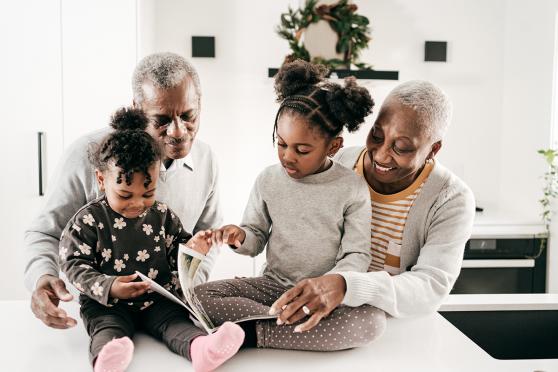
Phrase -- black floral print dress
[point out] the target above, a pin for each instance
(99, 244)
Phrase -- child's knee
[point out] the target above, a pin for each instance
(368, 323)
(202, 291)
(374, 323)
(217, 289)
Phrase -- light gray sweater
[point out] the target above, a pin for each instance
(312, 226)
(438, 226)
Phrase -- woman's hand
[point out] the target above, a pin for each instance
(315, 297)
(124, 287)
(201, 242)
(229, 234)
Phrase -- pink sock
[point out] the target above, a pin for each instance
(209, 352)
(115, 356)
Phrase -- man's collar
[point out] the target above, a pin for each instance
(186, 161)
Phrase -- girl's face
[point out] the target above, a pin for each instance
(302, 149)
(129, 200)
(397, 149)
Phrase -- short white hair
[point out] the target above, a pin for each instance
(432, 105)
(164, 70)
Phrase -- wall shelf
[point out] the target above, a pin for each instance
(359, 74)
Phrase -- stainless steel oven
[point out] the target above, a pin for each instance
(503, 265)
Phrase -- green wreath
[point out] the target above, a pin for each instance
(352, 29)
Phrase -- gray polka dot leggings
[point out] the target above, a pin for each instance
(344, 328)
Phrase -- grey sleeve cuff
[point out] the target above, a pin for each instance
(36, 270)
(249, 246)
(204, 271)
(106, 283)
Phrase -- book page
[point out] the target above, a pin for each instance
(188, 262)
(156, 287)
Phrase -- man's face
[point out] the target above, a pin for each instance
(397, 147)
(175, 116)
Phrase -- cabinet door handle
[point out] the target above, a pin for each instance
(40, 136)
(497, 263)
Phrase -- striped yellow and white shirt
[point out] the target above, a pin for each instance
(389, 214)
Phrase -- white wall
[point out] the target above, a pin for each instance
(98, 56)
(472, 76)
(498, 74)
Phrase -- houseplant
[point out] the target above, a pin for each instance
(550, 192)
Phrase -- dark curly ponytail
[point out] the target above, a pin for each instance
(129, 147)
(302, 88)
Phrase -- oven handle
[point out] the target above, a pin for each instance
(482, 264)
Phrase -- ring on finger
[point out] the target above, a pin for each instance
(306, 310)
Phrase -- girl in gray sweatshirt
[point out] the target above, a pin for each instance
(310, 214)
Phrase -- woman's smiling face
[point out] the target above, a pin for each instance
(397, 148)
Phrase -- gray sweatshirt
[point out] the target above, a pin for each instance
(437, 228)
(316, 225)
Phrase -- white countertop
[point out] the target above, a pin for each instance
(494, 223)
(500, 302)
(428, 343)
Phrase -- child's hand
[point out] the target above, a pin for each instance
(201, 242)
(124, 287)
(229, 234)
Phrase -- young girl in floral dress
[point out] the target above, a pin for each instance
(124, 231)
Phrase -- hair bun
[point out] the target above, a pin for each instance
(129, 118)
(297, 76)
(349, 104)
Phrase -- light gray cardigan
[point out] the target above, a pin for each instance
(438, 226)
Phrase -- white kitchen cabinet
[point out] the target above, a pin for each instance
(31, 103)
(66, 65)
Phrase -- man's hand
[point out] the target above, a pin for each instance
(45, 299)
(201, 242)
(124, 287)
(315, 297)
(229, 234)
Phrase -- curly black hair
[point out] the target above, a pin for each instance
(302, 88)
(128, 147)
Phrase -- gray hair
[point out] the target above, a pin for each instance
(432, 105)
(164, 70)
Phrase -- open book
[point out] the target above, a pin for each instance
(188, 263)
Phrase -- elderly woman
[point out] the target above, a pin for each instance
(422, 216)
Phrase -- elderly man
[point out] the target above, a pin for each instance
(167, 88)
(422, 215)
